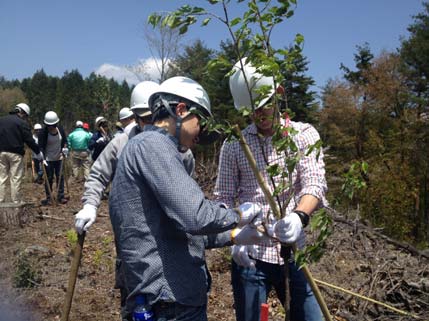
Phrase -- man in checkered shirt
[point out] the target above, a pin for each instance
(256, 269)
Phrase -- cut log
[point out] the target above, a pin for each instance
(15, 214)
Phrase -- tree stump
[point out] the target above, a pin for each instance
(15, 214)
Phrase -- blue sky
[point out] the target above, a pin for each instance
(60, 35)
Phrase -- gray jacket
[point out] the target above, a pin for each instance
(103, 169)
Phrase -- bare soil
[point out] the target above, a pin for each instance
(356, 259)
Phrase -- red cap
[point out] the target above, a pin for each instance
(85, 126)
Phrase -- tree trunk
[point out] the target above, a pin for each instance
(12, 214)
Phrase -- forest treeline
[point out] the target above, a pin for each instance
(376, 114)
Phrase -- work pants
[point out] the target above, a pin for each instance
(38, 170)
(12, 168)
(251, 287)
(80, 159)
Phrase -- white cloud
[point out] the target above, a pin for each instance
(144, 69)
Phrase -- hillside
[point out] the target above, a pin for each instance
(357, 258)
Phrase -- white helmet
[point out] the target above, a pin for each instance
(186, 88)
(79, 124)
(99, 120)
(125, 113)
(141, 93)
(239, 90)
(37, 126)
(23, 107)
(51, 118)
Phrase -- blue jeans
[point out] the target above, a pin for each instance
(251, 288)
(179, 312)
(54, 167)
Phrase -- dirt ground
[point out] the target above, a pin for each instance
(41, 250)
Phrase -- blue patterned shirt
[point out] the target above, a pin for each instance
(163, 223)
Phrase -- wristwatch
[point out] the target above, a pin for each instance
(304, 217)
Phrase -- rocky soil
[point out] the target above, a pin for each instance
(38, 255)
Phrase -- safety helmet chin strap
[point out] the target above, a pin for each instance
(179, 122)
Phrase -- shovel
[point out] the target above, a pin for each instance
(72, 277)
(63, 175)
(45, 177)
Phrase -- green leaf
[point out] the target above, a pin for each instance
(205, 22)
(183, 29)
(273, 170)
(299, 38)
(365, 167)
(235, 21)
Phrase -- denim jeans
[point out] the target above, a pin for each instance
(54, 167)
(251, 288)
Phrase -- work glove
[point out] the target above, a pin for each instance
(286, 230)
(39, 156)
(248, 211)
(241, 255)
(65, 152)
(85, 218)
(100, 140)
(45, 163)
(248, 235)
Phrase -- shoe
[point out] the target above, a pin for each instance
(63, 201)
(46, 202)
(38, 180)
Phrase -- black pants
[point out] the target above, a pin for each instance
(55, 167)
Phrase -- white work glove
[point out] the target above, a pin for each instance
(45, 163)
(101, 140)
(248, 235)
(85, 218)
(241, 255)
(39, 156)
(288, 229)
(248, 211)
(65, 152)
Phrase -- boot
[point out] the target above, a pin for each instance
(46, 202)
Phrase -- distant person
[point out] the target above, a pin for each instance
(100, 138)
(103, 169)
(86, 128)
(37, 163)
(53, 143)
(118, 128)
(127, 119)
(78, 142)
(14, 133)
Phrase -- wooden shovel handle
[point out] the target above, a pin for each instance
(72, 277)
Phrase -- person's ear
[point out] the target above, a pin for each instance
(181, 109)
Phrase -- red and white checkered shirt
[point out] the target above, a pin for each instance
(237, 184)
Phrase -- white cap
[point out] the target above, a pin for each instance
(125, 113)
(51, 118)
(99, 120)
(185, 88)
(239, 90)
(23, 107)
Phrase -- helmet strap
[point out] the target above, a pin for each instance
(177, 119)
